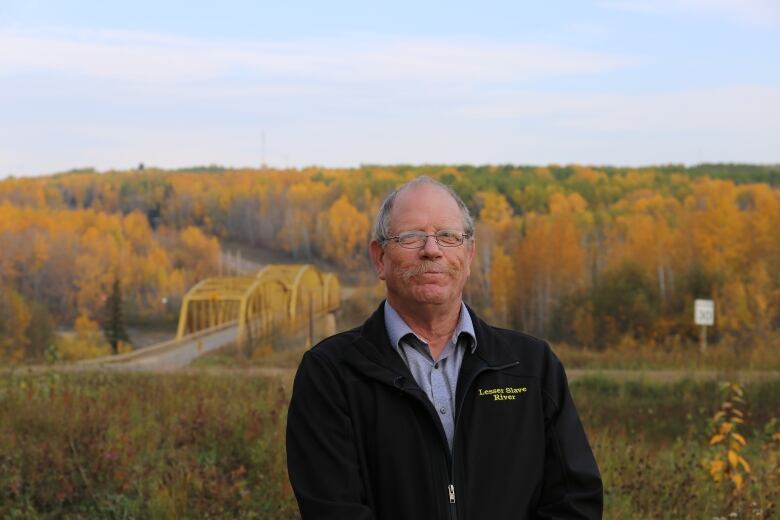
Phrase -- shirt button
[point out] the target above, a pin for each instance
(443, 410)
(436, 365)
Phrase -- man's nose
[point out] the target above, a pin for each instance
(431, 249)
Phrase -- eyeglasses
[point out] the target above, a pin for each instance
(417, 239)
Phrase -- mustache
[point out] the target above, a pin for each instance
(427, 266)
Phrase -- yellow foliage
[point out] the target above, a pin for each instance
(743, 463)
(85, 327)
(588, 174)
(494, 208)
(732, 456)
(559, 243)
(727, 460)
(74, 254)
(563, 204)
(198, 253)
(74, 348)
(502, 281)
(716, 469)
(348, 234)
(549, 263)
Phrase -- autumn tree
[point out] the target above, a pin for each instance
(551, 240)
(347, 234)
(550, 261)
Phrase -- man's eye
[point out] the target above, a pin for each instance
(410, 238)
(449, 237)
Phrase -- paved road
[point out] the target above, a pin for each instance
(182, 355)
(169, 355)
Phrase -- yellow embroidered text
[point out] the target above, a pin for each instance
(503, 394)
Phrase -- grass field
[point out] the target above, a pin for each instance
(95, 445)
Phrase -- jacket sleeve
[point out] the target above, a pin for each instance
(322, 459)
(572, 486)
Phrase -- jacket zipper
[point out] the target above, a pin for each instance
(451, 457)
(451, 487)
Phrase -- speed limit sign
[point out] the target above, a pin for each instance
(704, 312)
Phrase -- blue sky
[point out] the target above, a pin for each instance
(340, 83)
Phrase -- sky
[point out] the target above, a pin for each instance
(173, 84)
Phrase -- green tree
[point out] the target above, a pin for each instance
(113, 320)
(625, 301)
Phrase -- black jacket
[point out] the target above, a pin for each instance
(363, 441)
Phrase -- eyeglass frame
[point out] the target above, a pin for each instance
(424, 236)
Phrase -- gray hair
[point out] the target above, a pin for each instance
(381, 230)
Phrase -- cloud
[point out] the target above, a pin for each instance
(114, 98)
(727, 110)
(156, 59)
(751, 12)
(737, 124)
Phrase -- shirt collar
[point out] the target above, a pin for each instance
(397, 328)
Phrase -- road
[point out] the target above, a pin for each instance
(169, 355)
(182, 355)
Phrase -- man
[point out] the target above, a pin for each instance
(426, 412)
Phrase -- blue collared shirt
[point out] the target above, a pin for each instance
(437, 378)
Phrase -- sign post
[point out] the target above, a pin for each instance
(704, 315)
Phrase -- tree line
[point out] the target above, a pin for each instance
(587, 255)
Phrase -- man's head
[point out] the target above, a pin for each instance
(421, 271)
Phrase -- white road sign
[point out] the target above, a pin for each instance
(704, 312)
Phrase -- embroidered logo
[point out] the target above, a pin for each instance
(508, 393)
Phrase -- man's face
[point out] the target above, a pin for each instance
(430, 274)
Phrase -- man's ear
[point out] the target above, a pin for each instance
(377, 253)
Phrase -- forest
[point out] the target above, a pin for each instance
(593, 257)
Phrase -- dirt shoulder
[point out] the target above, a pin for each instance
(671, 375)
(651, 376)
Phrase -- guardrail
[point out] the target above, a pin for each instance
(156, 349)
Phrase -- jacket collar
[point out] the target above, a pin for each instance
(374, 346)
(397, 328)
(375, 358)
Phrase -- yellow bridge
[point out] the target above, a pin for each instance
(228, 310)
(281, 294)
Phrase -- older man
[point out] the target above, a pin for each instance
(425, 411)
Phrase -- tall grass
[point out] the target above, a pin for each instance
(212, 446)
(651, 442)
(286, 347)
(142, 446)
(726, 355)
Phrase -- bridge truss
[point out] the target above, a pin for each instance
(279, 294)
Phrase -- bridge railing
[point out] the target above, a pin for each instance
(158, 348)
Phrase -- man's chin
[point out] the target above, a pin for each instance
(432, 297)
